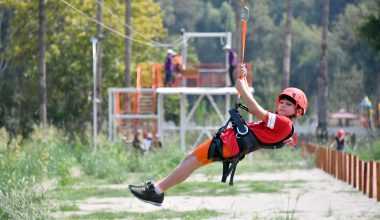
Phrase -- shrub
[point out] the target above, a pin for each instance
(18, 199)
(372, 153)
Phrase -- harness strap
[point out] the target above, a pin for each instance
(239, 125)
(247, 142)
(215, 152)
(229, 168)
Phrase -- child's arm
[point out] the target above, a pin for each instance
(242, 87)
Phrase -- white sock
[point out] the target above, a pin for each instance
(157, 189)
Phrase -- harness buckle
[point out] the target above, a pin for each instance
(239, 133)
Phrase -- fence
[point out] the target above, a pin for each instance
(362, 175)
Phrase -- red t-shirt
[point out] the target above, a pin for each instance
(274, 129)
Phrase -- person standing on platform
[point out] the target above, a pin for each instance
(169, 67)
(232, 61)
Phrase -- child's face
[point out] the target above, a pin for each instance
(286, 108)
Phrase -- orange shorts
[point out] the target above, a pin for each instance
(201, 152)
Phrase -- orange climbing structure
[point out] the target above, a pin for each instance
(140, 104)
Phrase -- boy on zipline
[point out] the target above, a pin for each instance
(229, 145)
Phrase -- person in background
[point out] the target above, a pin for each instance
(169, 67)
(232, 61)
(177, 69)
(137, 142)
(339, 140)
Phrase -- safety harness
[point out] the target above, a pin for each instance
(247, 142)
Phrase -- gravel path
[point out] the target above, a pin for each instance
(319, 197)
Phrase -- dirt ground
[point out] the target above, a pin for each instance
(319, 197)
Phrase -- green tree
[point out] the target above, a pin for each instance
(323, 77)
(287, 44)
(360, 56)
(370, 30)
(180, 14)
(68, 58)
(42, 62)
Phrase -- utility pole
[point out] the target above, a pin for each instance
(99, 64)
(128, 46)
(94, 42)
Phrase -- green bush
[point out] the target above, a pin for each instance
(371, 153)
(18, 198)
(25, 164)
(114, 161)
(110, 161)
(159, 163)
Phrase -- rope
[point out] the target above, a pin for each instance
(244, 17)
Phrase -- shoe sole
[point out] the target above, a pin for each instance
(146, 201)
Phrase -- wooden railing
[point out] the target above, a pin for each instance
(362, 175)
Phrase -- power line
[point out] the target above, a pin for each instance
(105, 26)
(174, 43)
(111, 29)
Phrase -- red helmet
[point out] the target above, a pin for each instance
(340, 133)
(297, 95)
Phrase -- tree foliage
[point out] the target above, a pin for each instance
(359, 55)
(353, 60)
(69, 58)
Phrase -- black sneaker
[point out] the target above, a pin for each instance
(146, 193)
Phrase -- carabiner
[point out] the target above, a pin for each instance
(242, 133)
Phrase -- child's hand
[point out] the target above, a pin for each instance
(242, 72)
(241, 82)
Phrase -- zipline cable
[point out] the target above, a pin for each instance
(111, 29)
(172, 44)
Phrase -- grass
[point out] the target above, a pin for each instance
(161, 214)
(184, 189)
(223, 189)
(202, 189)
(52, 154)
(274, 186)
(68, 207)
(68, 193)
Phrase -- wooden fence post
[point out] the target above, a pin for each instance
(370, 180)
(365, 172)
(355, 172)
(321, 161)
(352, 169)
(344, 167)
(339, 176)
(360, 176)
(378, 181)
(329, 160)
(349, 169)
(334, 159)
(317, 158)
